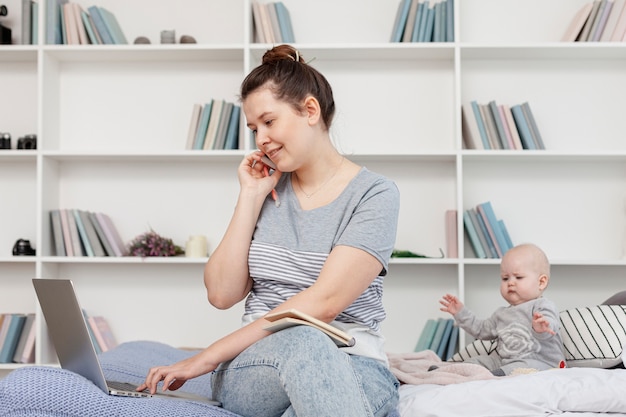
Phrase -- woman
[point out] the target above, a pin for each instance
(323, 250)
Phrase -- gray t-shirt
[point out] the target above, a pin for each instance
(290, 245)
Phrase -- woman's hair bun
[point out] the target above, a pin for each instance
(282, 53)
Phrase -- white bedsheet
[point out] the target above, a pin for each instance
(578, 392)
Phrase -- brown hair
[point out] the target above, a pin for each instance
(291, 79)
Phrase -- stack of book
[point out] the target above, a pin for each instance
(82, 233)
(100, 333)
(424, 21)
(17, 338)
(598, 21)
(499, 126)
(214, 125)
(441, 336)
(272, 23)
(487, 234)
(68, 23)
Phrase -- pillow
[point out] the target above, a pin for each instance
(593, 337)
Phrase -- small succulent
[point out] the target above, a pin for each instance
(153, 244)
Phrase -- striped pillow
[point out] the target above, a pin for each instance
(593, 337)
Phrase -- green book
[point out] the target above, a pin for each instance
(426, 336)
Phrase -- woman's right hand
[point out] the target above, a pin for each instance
(252, 175)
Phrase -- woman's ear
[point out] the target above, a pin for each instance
(312, 109)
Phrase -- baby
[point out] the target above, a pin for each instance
(527, 330)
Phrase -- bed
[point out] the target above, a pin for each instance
(593, 384)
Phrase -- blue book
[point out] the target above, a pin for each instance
(418, 19)
(430, 23)
(421, 35)
(54, 28)
(91, 34)
(113, 26)
(481, 237)
(284, 21)
(522, 127)
(203, 125)
(232, 134)
(438, 24)
(495, 113)
(505, 232)
(490, 245)
(82, 232)
(14, 330)
(445, 338)
(401, 17)
(98, 22)
(449, 20)
(473, 235)
(500, 242)
(481, 125)
(441, 325)
(426, 337)
(453, 344)
(532, 124)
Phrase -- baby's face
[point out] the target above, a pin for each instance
(520, 278)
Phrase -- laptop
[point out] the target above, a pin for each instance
(70, 337)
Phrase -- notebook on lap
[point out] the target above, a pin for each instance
(70, 337)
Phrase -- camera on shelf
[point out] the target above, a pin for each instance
(5, 140)
(22, 247)
(27, 142)
(5, 32)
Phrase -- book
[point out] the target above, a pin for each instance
(481, 126)
(274, 26)
(112, 234)
(67, 236)
(426, 336)
(82, 233)
(490, 126)
(284, 21)
(4, 327)
(576, 25)
(505, 233)
(600, 21)
(510, 122)
(584, 33)
(421, 7)
(23, 353)
(113, 26)
(490, 248)
(611, 23)
(445, 338)
(441, 325)
(534, 130)
(451, 233)
(232, 134)
(523, 127)
(101, 27)
(427, 35)
(482, 239)
(193, 125)
(453, 344)
(499, 127)
(216, 111)
(92, 235)
(473, 236)
(410, 21)
(83, 39)
(399, 24)
(469, 129)
(71, 29)
(266, 23)
(102, 332)
(11, 339)
(256, 20)
(89, 28)
(292, 317)
(620, 26)
(34, 37)
(106, 245)
(203, 124)
(449, 20)
(505, 127)
(57, 233)
(220, 135)
(54, 33)
(486, 211)
(27, 21)
(77, 245)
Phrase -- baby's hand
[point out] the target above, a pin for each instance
(541, 324)
(450, 304)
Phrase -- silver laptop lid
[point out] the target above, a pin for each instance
(68, 330)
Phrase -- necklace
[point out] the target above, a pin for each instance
(309, 195)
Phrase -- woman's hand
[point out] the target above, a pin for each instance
(175, 375)
(252, 174)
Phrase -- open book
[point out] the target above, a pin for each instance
(283, 319)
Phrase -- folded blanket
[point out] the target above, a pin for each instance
(413, 368)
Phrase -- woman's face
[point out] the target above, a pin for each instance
(278, 128)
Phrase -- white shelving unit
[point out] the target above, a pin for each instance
(112, 124)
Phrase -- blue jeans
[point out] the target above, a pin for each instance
(300, 372)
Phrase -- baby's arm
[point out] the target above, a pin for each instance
(541, 324)
(450, 304)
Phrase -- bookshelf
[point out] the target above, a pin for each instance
(112, 123)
